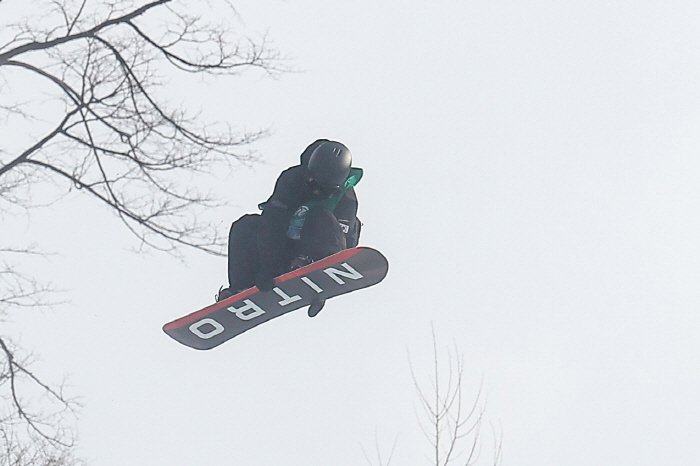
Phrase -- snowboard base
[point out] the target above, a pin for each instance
(341, 273)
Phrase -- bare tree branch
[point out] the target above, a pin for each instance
(451, 426)
(46, 433)
(17, 289)
(69, 37)
(116, 140)
(97, 118)
(378, 452)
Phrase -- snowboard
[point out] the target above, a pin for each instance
(341, 273)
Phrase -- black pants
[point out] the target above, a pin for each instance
(321, 237)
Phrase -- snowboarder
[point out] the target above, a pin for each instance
(311, 214)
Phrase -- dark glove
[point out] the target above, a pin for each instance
(316, 307)
(264, 282)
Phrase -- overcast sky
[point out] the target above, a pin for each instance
(532, 175)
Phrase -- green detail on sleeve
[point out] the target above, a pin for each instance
(297, 221)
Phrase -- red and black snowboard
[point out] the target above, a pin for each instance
(341, 273)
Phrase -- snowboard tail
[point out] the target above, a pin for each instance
(341, 273)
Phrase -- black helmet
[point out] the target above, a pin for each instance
(329, 164)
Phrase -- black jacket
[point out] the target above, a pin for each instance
(291, 192)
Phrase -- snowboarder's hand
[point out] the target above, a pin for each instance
(264, 283)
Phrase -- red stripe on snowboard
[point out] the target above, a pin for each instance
(195, 316)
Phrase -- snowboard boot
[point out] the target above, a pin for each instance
(223, 294)
(300, 261)
(315, 308)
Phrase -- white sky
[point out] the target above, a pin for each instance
(531, 173)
